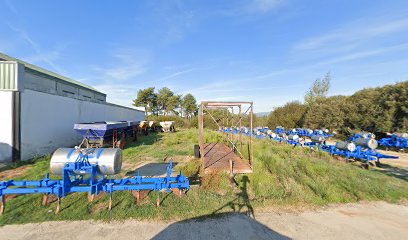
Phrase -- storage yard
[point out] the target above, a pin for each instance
(247, 119)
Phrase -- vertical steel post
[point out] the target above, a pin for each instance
(240, 127)
(201, 133)
(250, 139)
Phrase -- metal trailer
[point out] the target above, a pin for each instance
(95, 134)
(85, 174)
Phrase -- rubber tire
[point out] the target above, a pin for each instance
(197, 151)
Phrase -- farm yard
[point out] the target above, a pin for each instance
(284, 178)
(246, 119)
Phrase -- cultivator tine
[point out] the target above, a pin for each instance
(58, 205)
(158, 200)
(91, 197)
(45, 199)
(2, 204)
(110, 203)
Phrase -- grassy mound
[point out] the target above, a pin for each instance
(284, 176)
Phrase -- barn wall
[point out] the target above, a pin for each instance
(47, 120)
(6, 126)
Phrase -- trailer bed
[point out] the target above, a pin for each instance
(216, 157)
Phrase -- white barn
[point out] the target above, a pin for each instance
(38, 109)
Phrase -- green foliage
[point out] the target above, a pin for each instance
(319, 89)
(189, 104)
(148, 99)
(330, 112)
(380, 109)
(289, 116)
(383, 109)
(165, 102)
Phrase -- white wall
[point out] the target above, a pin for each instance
(6, 126)
(47, 120)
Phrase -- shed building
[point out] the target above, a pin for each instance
(38, 109)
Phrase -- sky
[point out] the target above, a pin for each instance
(266, 51)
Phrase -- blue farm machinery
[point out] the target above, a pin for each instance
(89, 170)
(97, 134)
(396, 140)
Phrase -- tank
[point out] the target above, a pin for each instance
(346, 146)
(273, 135)
(317, 139)
(293, 137)
(367, 135)
(109, 160)
(367, 142)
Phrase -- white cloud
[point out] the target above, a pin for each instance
(124, 65)
(357, 31)
(264, 6)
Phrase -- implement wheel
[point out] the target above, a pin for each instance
(197, 151)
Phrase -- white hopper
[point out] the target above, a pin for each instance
(168, 126)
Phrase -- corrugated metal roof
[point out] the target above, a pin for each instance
(46, 72)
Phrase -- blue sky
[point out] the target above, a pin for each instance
(267, 51)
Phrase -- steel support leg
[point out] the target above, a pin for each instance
(2, 204)
(58, 205)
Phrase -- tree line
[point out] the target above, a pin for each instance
(165, 102)
(381, 109)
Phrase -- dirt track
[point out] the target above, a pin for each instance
(351, 221)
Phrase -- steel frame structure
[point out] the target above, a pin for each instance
(228, 119)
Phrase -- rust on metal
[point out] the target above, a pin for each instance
(219, 156)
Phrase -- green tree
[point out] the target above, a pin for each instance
(164, 98)
(148, 99)
(291, 115)
(319, 89)
(330, 112)
(189, 105)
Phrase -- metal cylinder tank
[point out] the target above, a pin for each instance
(367, 142)
(109, 160)
(346, 146)
(293, 137)
(317, 139)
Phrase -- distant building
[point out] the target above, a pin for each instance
(38, 109)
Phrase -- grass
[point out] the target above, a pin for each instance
(284, 177)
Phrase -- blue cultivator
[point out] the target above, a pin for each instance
(85, 174)
(394, 141)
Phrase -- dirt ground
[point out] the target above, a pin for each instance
(377, 220)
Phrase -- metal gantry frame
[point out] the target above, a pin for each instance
(227, 120)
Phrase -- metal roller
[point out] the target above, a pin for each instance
(109, 160)
(293, 137)
(317, 139)
(367, 142)
(346, 146)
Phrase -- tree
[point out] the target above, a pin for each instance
(163, 99)
(173, 103)
(148, 99)
(329, 112)
(189, 104)
(291, 115)
(319, 89)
